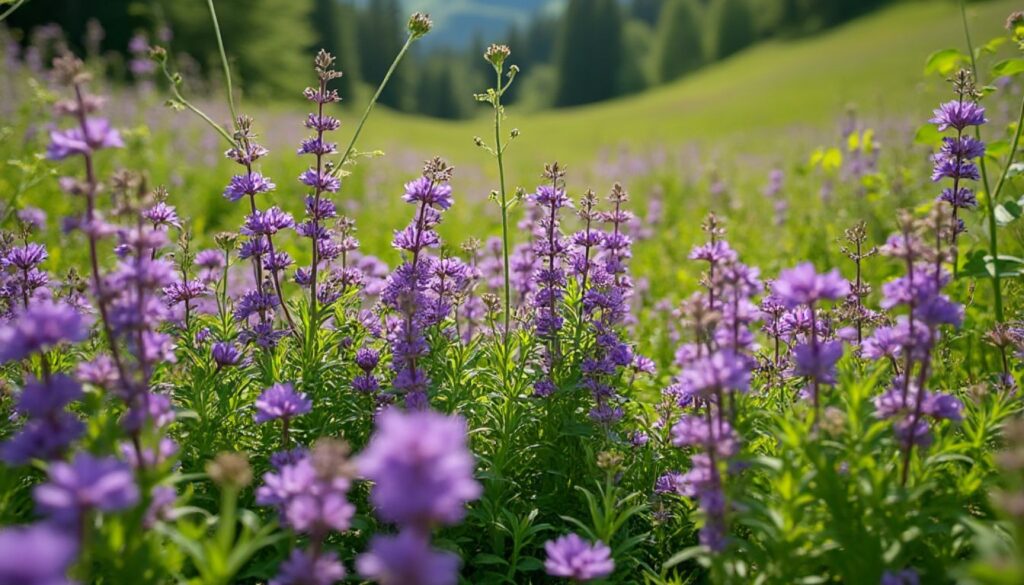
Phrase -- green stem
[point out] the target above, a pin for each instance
(223, 61)
(181, 99)
(993, 238)
(499, 152)
(11, 9)
(373, 102)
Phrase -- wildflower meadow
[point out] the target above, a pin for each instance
(239, 344)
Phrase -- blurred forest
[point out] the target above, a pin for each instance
(593, 50)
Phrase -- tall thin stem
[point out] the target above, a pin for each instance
(499, 153)
(373, 102)
(223, 60)
(993, 237)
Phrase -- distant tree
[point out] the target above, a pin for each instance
(381, 35)
(336, 31)
(679, 48)
(437, 93)
(636, 45)
(590, 52)
(260, 38)
(734, 27)
(646, 10)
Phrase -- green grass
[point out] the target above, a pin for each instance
(875, 63)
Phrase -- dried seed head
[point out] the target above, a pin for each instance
(230, 470)
(70, 70)
(437, 170)
(496, 55)
(226, 240)
(331, 459)
(419, 24)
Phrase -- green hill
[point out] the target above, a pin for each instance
(875, 62)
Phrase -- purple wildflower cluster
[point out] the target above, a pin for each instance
(310, 494)
(322, 179)
(427, 450)
(573, 558)
(955, 159)
(549, 247)
(413, 290)
(599, 262)
(917, 331)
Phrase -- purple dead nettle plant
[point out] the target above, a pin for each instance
(854, 310)
(407, 290)
(917, 331)
(803, 290)
(259, 228)
(955, 159)
(310, 493)
(549, 248)
(428, 450)
(320, 177)
(605, 306)
(469, 308)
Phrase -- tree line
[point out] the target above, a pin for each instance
(593, 51)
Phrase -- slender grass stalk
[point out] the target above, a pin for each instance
(10, 10)
(990, 208)
(223, 60)
(499, 151)
(373, 102)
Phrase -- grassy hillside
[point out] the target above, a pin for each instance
(875, 63)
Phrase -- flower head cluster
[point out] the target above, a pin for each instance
(955, 159)
(717, 442)
(573, 558)
(606, 296)
(549, 247)
(916, 332)
(407, 289)
(85, 484)
(311, 496)
(428, 450)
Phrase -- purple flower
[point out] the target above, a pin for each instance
(367, 359)
(25, 257)
(41, 399)
(267, 222)
(818, 362)
(45, 438)
(802, 285)
(99, 134)
(309, 500)
(429, 193)
(32, 217)
(162, 214)
(904, 577)
(958, 114)
(181, 292)
(225, 354)
(39, 554)
(407, 559)
(41, 326)
(247, 184)
(304, 568)
(572, 557)
(424, 449)
(281, 401)
(87, 483)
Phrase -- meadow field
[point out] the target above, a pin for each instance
(761, 324)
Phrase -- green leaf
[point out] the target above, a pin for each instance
(997, 149)
(993, 45)
(1015, 169)
(1008, 67)
(928, 134)
(1007, 212)
(944, 62)
(684, 555)
(528, 564)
